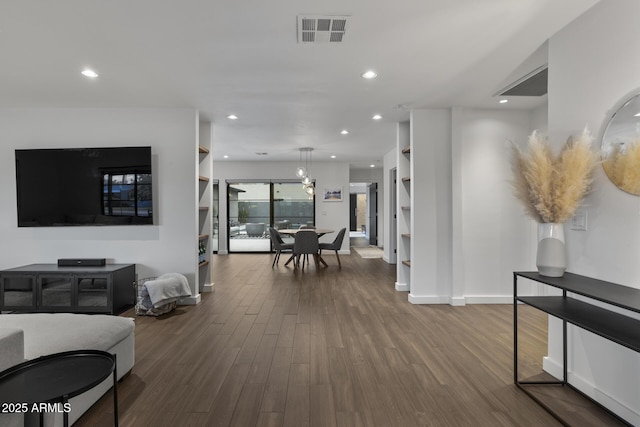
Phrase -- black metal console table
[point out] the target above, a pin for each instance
(56, 378)
(610, 325)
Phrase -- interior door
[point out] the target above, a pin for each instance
(373, 213)
(353, 212)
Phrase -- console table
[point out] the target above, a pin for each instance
(53, 288)
(610, 325)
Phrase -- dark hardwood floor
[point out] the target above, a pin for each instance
(329, 347)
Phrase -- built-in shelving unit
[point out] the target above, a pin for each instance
(404, 202)
(621, 329)
(204, 210)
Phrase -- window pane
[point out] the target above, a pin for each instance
(249, 215)
(291, 206)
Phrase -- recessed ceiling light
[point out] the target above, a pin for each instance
(225, 156)
(344, 132)
(369, 74)
(333, 156)
(376, 117)
(89, 73)
(372, 166)
(232, 117)
(504, 101)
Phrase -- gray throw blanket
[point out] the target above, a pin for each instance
(165, 289)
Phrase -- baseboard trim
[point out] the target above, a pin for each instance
(402, 287)
(428, 299)
(457, 301)
(208, 287)
(190, 300)
(489, 299)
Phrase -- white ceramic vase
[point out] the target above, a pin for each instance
(551, 259)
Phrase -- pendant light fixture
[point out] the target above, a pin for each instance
(304, 172)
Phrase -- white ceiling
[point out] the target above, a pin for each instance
(242, 57)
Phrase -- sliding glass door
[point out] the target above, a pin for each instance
(291, 206)
(254, 206)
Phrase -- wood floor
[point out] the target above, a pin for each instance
(328, 347)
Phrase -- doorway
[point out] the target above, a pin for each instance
(363, 214)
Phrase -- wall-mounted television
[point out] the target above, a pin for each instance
(84, 186)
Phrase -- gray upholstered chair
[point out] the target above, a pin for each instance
(305, 243)
(278, 245)
(335, 245)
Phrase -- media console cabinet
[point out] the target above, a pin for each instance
(52, 288)
(621, 329)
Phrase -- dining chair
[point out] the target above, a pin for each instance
(335, 245)
(305, 243)
(278, 245)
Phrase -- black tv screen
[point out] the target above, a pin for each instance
(84, 186)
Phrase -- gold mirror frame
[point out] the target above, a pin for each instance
(620, 149)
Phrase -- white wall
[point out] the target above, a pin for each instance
(491, 235)
(332, 215)
(540, 120)
(168, 246)
(431, 206)
(593, 64)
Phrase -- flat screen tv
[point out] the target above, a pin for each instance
(84, 186)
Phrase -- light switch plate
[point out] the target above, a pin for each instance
(579, 220)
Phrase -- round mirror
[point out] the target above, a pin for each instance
(621, 146)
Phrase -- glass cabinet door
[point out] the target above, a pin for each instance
(18, 291)
(55, 291)
(93, 293)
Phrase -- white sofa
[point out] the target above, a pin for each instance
(28, 336)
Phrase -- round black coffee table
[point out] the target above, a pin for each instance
(54, 379)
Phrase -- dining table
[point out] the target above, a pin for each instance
(292, 232)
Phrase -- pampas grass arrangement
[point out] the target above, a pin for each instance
(622, 166)
(550, 186)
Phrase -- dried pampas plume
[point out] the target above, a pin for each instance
(551, 187)
(622, 166)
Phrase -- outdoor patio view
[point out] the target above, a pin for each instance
(254, 206)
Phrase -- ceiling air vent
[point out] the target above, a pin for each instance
(321, 28)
